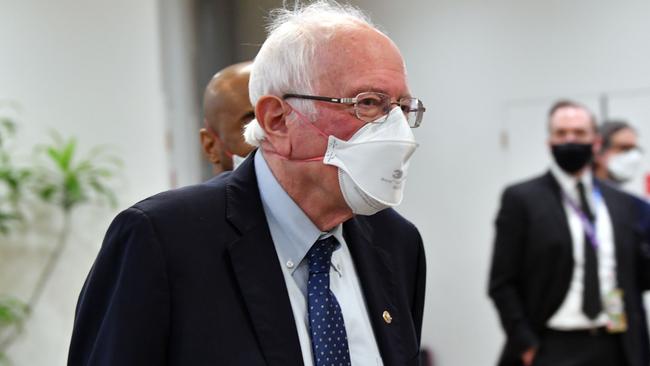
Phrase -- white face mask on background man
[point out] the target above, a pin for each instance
(625, 165)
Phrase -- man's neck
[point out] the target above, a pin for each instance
(578, 175)
(601, 173)
(309, 190)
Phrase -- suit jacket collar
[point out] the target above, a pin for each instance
(568, 183)
(556, 205)
(616, 208)
(291, 229)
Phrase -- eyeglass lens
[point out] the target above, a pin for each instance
(374, 107)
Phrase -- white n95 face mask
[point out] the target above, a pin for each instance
(373, 163)
(623, 166)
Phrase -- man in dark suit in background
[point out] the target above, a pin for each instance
(226, 110)
(569, 268)
(296, 257)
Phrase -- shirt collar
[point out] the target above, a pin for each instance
(568, 182)
(289, 217)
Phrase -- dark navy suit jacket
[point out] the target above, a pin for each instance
(644, 222)
(191, 277)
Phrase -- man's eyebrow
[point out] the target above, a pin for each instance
(366, 88)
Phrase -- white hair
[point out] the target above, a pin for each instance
(285, 62)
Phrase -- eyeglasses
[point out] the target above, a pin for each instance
(374, 107)
(626, 148)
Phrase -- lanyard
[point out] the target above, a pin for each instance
(588, 226)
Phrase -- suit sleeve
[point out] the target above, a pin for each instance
(122, 315)
(507, 262)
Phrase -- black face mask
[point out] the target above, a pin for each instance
(572, 157)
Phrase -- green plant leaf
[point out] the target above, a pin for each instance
(7, 129)
(4, 360)
(12, 311)
(70, 184)
(73, 191)
(55, 155)
(6, 217)
(47, 192)
(68, 153)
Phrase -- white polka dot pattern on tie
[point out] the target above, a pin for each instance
(328, 337)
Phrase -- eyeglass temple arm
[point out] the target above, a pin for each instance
(324, 99)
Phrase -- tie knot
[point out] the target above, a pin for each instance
(320, 255)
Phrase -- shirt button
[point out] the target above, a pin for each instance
(290, 264)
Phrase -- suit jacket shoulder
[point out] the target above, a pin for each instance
(530, 188)
(191, 202)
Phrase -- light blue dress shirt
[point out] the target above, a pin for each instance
(293, 234)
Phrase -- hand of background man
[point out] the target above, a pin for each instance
(528, 356)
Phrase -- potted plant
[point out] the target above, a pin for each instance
(59, 177)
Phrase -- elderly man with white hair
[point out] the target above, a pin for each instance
(296, 257)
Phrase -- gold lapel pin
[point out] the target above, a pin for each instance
(387, 318)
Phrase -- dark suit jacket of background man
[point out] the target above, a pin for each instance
(533, 264)
(191, 277)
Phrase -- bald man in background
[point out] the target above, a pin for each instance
(226, 109)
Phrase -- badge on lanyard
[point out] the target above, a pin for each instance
(616, 319)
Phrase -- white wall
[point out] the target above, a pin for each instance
(92, 70)
(182, 97)
(469, 60)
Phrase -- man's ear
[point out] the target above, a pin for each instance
(271, 113)
(210, 145)
(598, 144)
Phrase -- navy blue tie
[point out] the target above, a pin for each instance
(329, 341)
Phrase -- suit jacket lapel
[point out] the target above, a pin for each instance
(556, 205)
(258, 272)
(374, 269)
